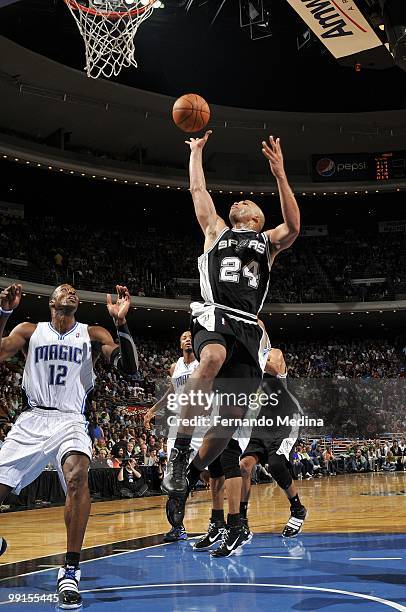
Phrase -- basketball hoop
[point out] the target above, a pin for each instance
(108, 28)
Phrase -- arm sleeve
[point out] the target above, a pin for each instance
(125, 356)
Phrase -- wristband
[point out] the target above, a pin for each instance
(5, 313)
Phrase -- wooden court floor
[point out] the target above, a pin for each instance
(341, 504)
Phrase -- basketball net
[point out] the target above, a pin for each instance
(108, 28)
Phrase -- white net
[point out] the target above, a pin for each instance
(108, 28)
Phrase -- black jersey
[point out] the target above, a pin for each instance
(235, 272)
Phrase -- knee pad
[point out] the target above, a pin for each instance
(216, 469)
(230, 460)
(278, 467)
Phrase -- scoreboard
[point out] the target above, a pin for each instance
(359, 167)
(389, 166)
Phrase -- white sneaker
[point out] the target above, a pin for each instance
(68, 588)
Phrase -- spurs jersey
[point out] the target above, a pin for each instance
(181, 374)
(59, 369)
(235, 272)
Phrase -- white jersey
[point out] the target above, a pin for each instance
(179, 379)
(59, 368)
(181, 374)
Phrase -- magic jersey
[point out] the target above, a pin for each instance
(181, 374)
(59, 369)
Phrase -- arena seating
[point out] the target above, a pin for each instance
(318, 269)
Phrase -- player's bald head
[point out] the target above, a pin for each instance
(247, 212)
(258, 215)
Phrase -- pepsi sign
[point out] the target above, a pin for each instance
(359, 166)
(339, 167)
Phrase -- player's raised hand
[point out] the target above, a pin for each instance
(273, 153)
(199, 143)
(120, 309)
(10, 297)
(147, 419)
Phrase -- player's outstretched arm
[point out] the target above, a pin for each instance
(19, 336)
(205, 210)
(160, 404)
(285, 234)
(123, 355)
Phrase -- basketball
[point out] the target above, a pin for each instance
(191, 113)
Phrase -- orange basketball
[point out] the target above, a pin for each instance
(191, 113)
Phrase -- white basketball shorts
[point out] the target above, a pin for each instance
(39, 437)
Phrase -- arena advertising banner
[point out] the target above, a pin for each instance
(349, 167)
(332, 168)
(12, 209)
(392, 226)
(314, 230)
(368, 281)
(339, 24)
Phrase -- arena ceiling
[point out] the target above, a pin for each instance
(204, 49)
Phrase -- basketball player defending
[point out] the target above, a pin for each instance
(266, 446)
(179, 373)
(57, 384)
(234, 279)
(272, 445)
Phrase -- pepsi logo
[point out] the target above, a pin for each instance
(325, 167)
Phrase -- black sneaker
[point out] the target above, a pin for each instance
(3, 546)
(232, 541)
(176, 534)
(175, 481)
(213, 535)
(175, 510)
(68, 588)
(295, 523)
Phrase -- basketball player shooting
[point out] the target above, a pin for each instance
(234, 278)
(57, 384)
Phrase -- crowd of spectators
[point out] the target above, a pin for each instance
(334, 358)
(318, 459)
(317, 269)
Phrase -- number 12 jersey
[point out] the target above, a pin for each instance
(58, 371)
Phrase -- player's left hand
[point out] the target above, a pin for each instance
(273, 153)
(120, 309)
